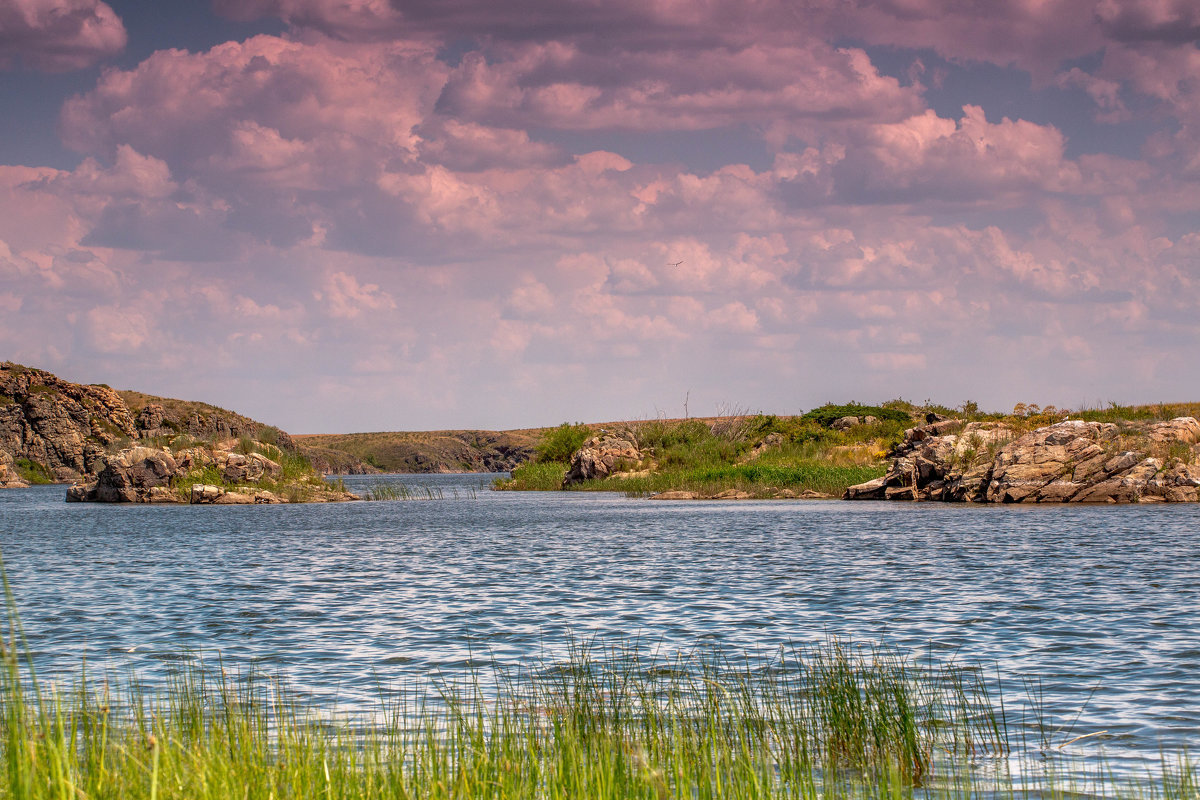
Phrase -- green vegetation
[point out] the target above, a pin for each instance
(760, 455)
(297, 481)
(38, 388)
(828, 413)
(764, 455)
(757, 480)
(5, 400)
(534, 476)
(33, 472)
(559, 444)
(830, 720)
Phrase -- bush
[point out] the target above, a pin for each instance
(828, 413)
(559, 444)
(33, 472)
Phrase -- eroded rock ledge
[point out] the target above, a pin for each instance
(158, 476)
(1069, 462)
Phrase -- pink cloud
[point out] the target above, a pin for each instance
(58, 35)
(1170, 21)
(254, 107)
(346, 298)
(927, 158)
(561, 85)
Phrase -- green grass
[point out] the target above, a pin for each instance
(830, 720)
(760, 480)
(33, 472)
(534, 476)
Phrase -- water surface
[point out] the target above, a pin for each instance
(1097, 605)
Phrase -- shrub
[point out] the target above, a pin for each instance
(559, 444)
(828, 413)
(33, 472)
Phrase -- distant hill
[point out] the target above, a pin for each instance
(430, 451)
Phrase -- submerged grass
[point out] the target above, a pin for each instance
(831, 720)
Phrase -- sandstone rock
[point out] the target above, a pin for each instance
(871, 490)
(1071, 461)
(129, 477)
(675, 495)
(1180, 429)
(601, 456)
(9, 478)
(150, 422)
(239, 468)
(732, 494)
(62, 425)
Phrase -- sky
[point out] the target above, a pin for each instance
(354, 215)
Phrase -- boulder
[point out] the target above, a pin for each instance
(254, 467)
(129, 477)
(675, 494)
(845, 423)
(601, 456)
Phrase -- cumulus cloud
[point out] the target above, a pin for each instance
(561, 85)
(58, 35)
(1170, 21)
(476, 198)
(345, 297)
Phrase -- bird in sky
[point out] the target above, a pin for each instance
(675, 264)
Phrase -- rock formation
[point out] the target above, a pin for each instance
(9, 478)
(66, 427)
(71, 429)
(156, 475)
(601, 456)
(1069, 462)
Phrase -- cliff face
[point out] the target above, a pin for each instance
(70, 429)
(67, 427)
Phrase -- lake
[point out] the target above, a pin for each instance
(1091, 609)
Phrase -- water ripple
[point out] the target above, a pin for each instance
(1089, 613)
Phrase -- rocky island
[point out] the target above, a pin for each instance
(127, 447)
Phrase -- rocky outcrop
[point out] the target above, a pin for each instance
(156, 417)
(71, 429)
(9, 477)
(1069, 462)
(206, 494)
(601, 456)
(66, 427)
(131, 476)
(156, 475)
